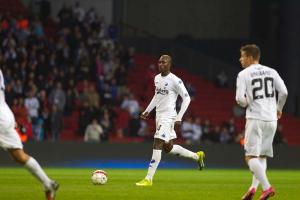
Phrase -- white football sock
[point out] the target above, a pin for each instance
(259, 172)
(180, 151)
(263, 162)
(35, 169)
(156, 156)
(255, 182)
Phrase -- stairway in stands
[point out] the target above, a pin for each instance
(210, 102)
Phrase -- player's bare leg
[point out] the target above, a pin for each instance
(35, 169)
(156, 157)
(178, 150)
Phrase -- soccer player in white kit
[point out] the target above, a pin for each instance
(167, 88)
(10, 141)
(256, 89)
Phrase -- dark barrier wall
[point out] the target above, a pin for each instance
(290, 62)
(137, 155)
(205, 19)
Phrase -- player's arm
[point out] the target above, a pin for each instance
(186, 99)
(240, 95)
(150, 107)
(2, 87)
(282, 94)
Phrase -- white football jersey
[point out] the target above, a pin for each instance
(256, 88)
(9, 138)
(167, 89)
(2, 90)
(6, 115)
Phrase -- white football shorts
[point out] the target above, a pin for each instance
(165, 129)
(259, 137)
(9, 138)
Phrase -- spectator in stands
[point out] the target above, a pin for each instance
(18, 87)
(187, 132)
(56, 122)
(39, 129)
(22, 118)
(93, 97)
(120, 75)
(9, 93)
(65, 15)
(99, 65)
(86, 114)
(114, 89)
(32, 104)
(214, 135)
(57, 97)
(45, 114)
(207, 128)
(230, 126)
(93, 132)
(197, 129)
(222, 80)
(131, 104)
(43, 99)
(71, 97)
(106, 95)
(38, 29)
(134, 125)
(225, 136)
(191, 90)
(106, 124)
(78, 12)
(113, 32)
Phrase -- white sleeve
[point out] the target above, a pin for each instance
(2, 86)
(152, 104)
(240, 95)
(186, 99)
(282, 92)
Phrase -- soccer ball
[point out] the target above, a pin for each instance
(99, 177)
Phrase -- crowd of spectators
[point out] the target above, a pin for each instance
(194, 131)
(81, 67)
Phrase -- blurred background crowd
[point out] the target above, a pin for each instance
(71, 78)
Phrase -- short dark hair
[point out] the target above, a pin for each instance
(251, 50)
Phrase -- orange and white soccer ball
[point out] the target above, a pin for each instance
(99, 177)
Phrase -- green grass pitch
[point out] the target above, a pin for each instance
(17, 183)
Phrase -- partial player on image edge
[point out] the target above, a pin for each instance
(11, 142)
